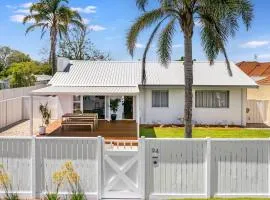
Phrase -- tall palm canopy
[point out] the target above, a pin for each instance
(218, 19)
(55, 16)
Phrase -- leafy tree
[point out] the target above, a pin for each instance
(17, 56)
(2, 67)
(55, 16)
(4, 54)
(218, 19)
(9, 56)
(22, 74)
(35, 68)
(77, 46)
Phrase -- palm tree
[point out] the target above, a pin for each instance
(218, 19)
(54, 16)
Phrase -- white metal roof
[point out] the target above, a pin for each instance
(115, 73)
(104, 90)
(43, 77)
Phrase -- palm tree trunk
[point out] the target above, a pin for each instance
(53, 59)
(188, 69)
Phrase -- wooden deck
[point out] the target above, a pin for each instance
(119, 130)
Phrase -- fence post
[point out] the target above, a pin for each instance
(268, 167)
(208, 168)
(33, 168)
(31, 115)
(142, 165)
(99, 169)
(6, 122)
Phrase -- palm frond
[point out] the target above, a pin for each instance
(246, 11)
(32, 27)
(165, 42)
(146, 20)
(141, 4)
(147, 47)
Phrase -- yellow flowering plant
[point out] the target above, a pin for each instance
(74, 181)
(58, 178)
(5, 184)
(67, 174)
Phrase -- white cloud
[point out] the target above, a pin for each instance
(11, 7)
(19, 18)
(139, 45)
(96, 28)
(22, 11)
(177, 45)
(85, 20)
(86, 10)
(255, 44)
(264, 56)
(26, 5)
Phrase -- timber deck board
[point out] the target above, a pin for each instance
(122, 129)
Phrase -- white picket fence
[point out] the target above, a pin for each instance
(168, 168)
(17, 109)
(18, 92)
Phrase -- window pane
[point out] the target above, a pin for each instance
(76, 98)
(155, 98)
(76, 107)
(94, 104)
(164, 99)
(212, 99)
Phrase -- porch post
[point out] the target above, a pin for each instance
(138, 114)
(31, 115)
(109, 113)
(105, 109)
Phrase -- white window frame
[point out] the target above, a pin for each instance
(167, 91)
(214, 91)
(80, 101)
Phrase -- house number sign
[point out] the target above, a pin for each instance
(155, 157)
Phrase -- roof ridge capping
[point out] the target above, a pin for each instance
(138, 61)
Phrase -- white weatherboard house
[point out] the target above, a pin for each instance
(90, 85)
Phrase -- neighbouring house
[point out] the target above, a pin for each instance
(42, 79)
(258, 104)
(4, 84)
(89, 86)
(260, 73)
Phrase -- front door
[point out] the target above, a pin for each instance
(94, 104)
(128, 107)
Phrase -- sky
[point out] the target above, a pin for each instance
(109, 21)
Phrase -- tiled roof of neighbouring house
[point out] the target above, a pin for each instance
(260, 72)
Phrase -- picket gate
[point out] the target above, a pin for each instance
(122, 170)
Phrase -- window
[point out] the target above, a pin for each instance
(76, 104)
(160, 98)
(211, 99)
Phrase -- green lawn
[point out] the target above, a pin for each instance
(158, 132)
(231, 199)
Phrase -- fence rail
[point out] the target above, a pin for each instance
(18, 92)
(17, 109)
(11, 111)
(171, 168)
